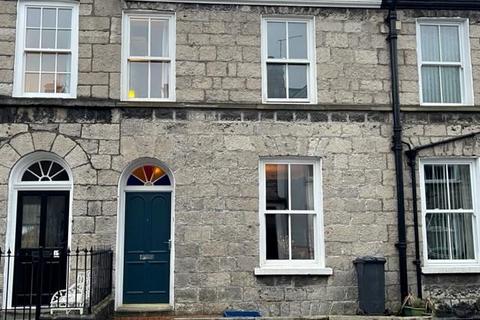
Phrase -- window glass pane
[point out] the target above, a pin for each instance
(460, 187)
(303, 239)
(297, 40)
(63, 62)
(48, 39)
(451, 89)
(49, 18)
(138, 81)
(450, 43)
(64, 18)
(32, 38)
(138, 37)
(32, 62)
(48, 62)
(297, 81)
(31, 208)
(55, 223)
(437, 236)
(159, 38)
(436, 187)
(33, 17)
(31, 82)
(462, 236)
(276, 80)
(63, 83)
(276, 184)
(159, 79)
(277, 236)
(301, 186)
(47, 83)
(430, 43)
(277, 40)
(63, 40)
(431, 84)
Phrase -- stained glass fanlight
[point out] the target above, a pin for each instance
(148, 175)
(45, 170)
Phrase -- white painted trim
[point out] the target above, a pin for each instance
(456, 266)
(126, 16)
(14, 185)
(18, 77)
(122, 189)
(302, 3)
(465, 55)
(270, 271)
(312, 60)
(451, 269)
(294, 266)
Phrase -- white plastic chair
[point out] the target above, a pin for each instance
(76, 299)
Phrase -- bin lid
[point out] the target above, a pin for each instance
(369, 259)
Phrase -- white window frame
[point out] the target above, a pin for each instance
(311, 60)
(452, 266)
(465, 64)
(315, 266)
(19, 72)
(127, 16)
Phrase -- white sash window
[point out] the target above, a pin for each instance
(46, 50)
(148, 68)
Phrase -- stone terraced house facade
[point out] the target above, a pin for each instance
(244, 146)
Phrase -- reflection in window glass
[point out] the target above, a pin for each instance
(297, 44)
(159, 38)
(440, 44)
(297, 81)
(139, 37)
(302, 186)
(149, 77)
(303, 240)
(30, 222)
(287, 60)
(276, 81)
(276, 38)
(139, 79)
(47, 71)
(276, 182)
(277, 236)
(290, 235)
(449, 211)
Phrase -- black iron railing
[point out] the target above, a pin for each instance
(43, 281)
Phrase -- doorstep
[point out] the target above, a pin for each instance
(144, 311)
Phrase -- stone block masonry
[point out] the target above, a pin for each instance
(214, 156)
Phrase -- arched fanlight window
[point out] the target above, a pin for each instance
(148, 175)
(45, 170)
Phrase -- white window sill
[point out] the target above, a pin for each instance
(451, 269)
(271, 271)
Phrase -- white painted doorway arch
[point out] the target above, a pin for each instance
(123, 188)
(45, 182)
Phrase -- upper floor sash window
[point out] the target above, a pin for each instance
(46, 50)
(288, 60)
(148, 67)
(444, 62)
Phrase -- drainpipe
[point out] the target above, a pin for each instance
(412, 160)
(398, 149)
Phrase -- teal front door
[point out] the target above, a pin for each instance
(146, 275)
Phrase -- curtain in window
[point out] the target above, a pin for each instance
(440, 81)
(449, 234)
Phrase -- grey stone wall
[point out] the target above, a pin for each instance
(214, 156)
(218, 51)
(447, 288)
